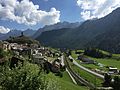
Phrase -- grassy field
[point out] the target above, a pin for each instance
(66, 83)
(92, 66)
(114, 61)
(87, 76)
(109, 62)
(89, 66)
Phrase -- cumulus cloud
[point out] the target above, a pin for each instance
(4, 30)
(97, 8)
(25, 12)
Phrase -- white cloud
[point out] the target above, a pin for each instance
(25, 12)
(97, 8)
(4, 30)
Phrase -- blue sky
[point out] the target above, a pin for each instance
(33, 14)
(68, 8)
(69, 11)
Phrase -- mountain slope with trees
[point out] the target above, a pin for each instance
(77, 38)
(109, 41)
(57, 26)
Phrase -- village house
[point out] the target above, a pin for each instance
(34, 46)
(6, 45)
(39, 59)
(40, 50)
(113, 70)
(56, 66)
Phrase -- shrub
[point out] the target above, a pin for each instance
(2, 53)
(94, 53)
(28, 77)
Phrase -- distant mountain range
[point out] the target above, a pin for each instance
(100, 33)
(34, 34)
(15, 33)
(57, 26)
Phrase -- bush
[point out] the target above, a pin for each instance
(94, 53)
(21, 79)
(28, 77)
(60, 74)
(107, 80)
(2, 53)
(116, 83)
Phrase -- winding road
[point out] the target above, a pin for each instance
(90, 71)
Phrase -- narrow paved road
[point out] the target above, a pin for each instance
(90, 71)
(62, 63)
(71, 76)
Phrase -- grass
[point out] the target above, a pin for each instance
(105, 52)
(66, 83)
(114, 61)
(73, 54)
(90, 66)
(116, 55)
(109, 62)
(87, 76)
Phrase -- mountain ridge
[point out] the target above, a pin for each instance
(77, 38)
(15, 33)
(56, 26)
